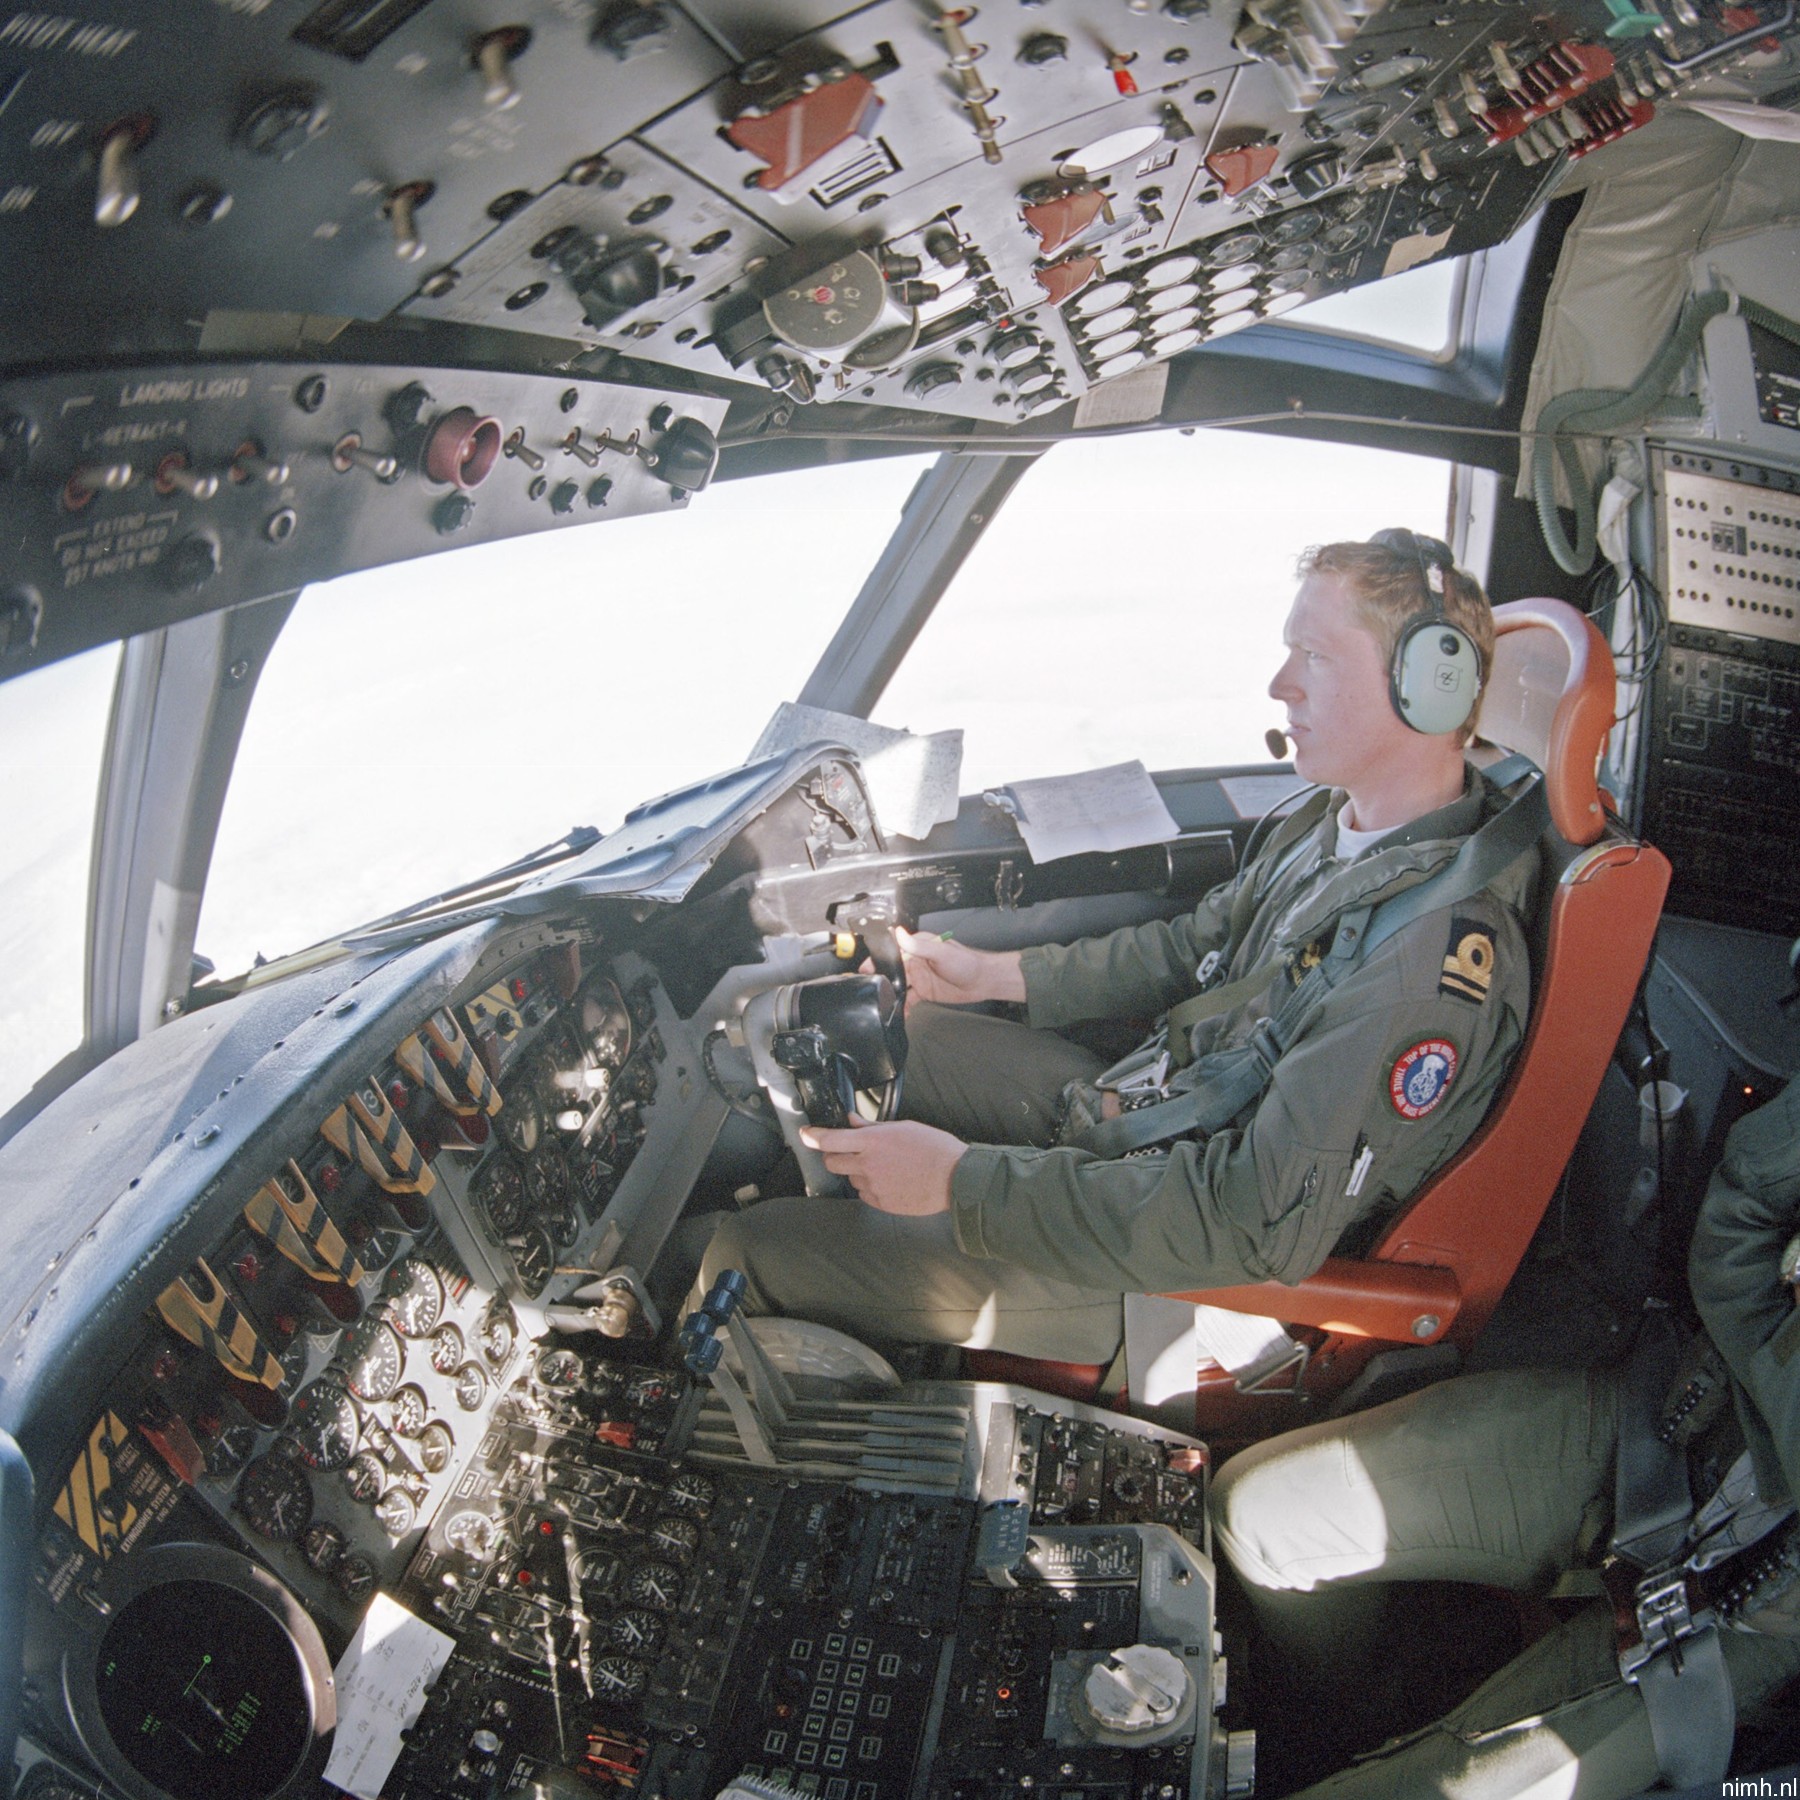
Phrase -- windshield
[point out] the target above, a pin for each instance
(52, 737)
(419, 724)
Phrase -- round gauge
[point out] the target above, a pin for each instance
(1282, 303)
(1295, 227)
(560, 1370)
(471, 1386)
(1291, 256)
(499, 1190)
(1170, 270)
(534, 1257)
(365, 1478)
(1234, 302)
(554, 1210)
(522, 1117)
(293, 1361)
(396, 1512)
(691, 1493)
(378, 1249)
(1172, 299)
(1231, 322)
(1238, 275)
(1120, 365)
(1108, 152)
(1390, 70)
(203, 1690)
(647, 1390)
(1105, 324)
(676, 1539)
(1101, 299)
(1349, 235)
(1179, 320)
(1116, 345)
(230, 1450)
(325, 1424)
(355, 1577)
(323, 1545)
(1175, 343)
(377, 1361)
(436, 1447)
(636, 1631)
(498, 1334)
(473, 1534)
(606, 1023)
(275, 1497)
(415, 1297)
(1233, 247)
(1289, 281)
(448, 1351)
(619, 1678)
(411, 1410)
(655, 1584)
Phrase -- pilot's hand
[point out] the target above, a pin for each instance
(904, 1167)
(954, 974)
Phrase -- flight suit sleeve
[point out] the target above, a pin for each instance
(1135, 970)
(1751, 1209)
(1383, 1085)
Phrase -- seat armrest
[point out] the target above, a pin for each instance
(1404, 1303)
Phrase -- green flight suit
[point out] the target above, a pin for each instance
(1490, 1478)
(1040, 1243)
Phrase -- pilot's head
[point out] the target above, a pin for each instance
(1387, 646)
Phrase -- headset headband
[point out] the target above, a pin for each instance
(1432, 555)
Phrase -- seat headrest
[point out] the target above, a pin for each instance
(1550, 696)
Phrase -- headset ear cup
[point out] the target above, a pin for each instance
(1436, 676)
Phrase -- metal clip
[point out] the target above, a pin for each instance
(1664, 1618)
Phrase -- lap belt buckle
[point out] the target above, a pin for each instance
(1152, 1077)
(1665, 1616)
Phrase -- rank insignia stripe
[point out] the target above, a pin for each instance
(1468, 971)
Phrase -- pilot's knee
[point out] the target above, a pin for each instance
(733, 1245)
(1257, 1501)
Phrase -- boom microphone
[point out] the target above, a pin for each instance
(1277, 740)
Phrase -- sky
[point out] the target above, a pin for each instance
(418, 724)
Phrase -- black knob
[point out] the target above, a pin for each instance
(282, 124)
(685, 455)
(452, 514)
(21, 610)
(563, 496)
(1043, 47)
(932, 376)
(191, 564)
(633, 29)
(599, 489)
(405, 407)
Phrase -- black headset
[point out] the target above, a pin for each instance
(1435, 679)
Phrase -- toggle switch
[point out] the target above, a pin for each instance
(402, 209)
(250, 464)
(88, 479)
(516, 447)
(116, 192)
(349, 452)
(493, 57)
(584, 453)
(174, 476)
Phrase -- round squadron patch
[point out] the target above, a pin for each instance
(1421, 1077)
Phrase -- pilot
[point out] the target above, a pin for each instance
(1507, 1478)
(1299, 1091)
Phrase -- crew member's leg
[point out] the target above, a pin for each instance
(894, 1280)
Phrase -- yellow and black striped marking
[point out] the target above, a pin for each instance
(455, 1074)
(87, 1503)
(198, 1306)
(367, 1128)
(494, 1009)
(289, 1214)
(1468, 962)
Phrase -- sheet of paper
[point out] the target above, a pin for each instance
(1238, 1341)
(1767, 122)
(1104, 809)
(912, 778)
(381, 1683)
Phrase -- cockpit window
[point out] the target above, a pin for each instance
(1127, 601)
(1415, 311)
(52, 740)
(420, 724)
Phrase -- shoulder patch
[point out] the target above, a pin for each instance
(1421, 1076)
(1469, 962)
